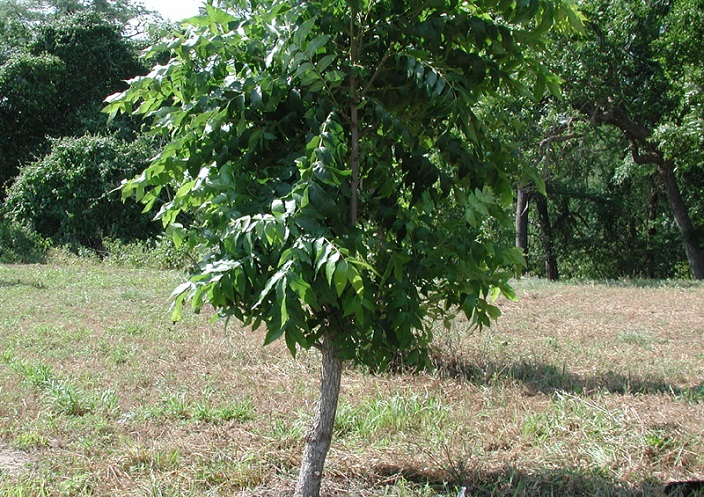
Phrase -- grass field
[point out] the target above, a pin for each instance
(580, 389)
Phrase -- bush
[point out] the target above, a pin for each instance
(70, 195)
(21, 245)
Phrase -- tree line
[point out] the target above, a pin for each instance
(617, 152)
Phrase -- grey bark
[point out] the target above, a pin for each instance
(652, 230)
(319, 436)
(522, 204)
(695, 253)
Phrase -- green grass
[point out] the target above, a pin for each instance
(580, 389)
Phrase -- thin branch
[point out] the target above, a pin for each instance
(376, 71)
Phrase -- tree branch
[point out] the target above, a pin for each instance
(383, 60)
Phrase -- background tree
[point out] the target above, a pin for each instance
(54, 86)
(340, 178)
(635, 72)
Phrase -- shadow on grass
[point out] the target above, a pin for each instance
(625, 283)
(510, 481)
(19, 282)
(548, 378)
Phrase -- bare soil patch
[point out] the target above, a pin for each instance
(12, 461)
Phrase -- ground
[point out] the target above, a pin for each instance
(579, 389)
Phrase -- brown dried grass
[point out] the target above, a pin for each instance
(578, 390)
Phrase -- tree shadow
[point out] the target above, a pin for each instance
(641, 283)
(19, 282)
(510, 481)
(542, 378)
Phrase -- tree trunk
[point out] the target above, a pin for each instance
(695, 253)
(652, 230)
(541, 205)
(319, 436)
(522, 204)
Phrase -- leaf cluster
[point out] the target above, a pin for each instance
(340, 180)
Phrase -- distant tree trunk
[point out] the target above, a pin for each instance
(652, 231)
(522, 205)
(541, 204)
(695, 253)
(319, 436)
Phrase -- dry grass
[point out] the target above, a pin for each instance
(578, 390)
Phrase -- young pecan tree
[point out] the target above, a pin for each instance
(338, 181)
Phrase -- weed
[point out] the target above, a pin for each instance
(25, 488)
(206, 412)
(385, 416)
(144, 460)
(29, 440)
(7, 356)
(128, 329)
(120, 355)
(64, 398)
(173, 407)
(39, 375)
(639, 338)
(691, 394)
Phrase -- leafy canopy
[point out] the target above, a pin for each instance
(340, 181)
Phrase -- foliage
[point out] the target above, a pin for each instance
(54, 86)
(28, 108)
(29, 13)
(274, 126)
(69, 195)
(599, 205)
(97, 57)
(19, 244)
(610, 213)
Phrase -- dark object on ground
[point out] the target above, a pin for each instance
(685, 488)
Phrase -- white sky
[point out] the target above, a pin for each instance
(174, 10)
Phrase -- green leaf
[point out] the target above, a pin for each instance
(539, 88)
(322, 252)
(281, 297)
(302, 31)
(335, 76)
(316, 44)
(325, 62)
(355, 279)
(493, 312)
(509, 293)
(273, 334)
(179, 294)
(278, 209)
(185, 189)
(330, 266)
(278, 275)
(303, 290)
(340, 278)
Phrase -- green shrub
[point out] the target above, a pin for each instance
(21, 245)
(70, 195)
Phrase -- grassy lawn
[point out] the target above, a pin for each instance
(580, 389)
